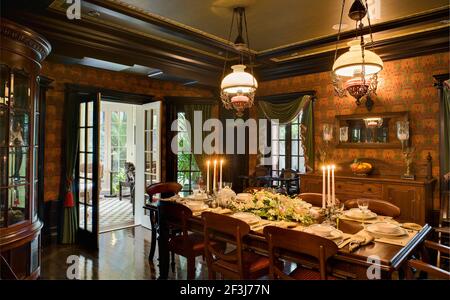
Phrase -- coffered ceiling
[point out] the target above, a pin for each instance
(186, 40)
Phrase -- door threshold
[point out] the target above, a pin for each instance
(117, 227)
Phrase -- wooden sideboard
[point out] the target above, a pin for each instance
(414, 197)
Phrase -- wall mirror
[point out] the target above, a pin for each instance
(372, 130)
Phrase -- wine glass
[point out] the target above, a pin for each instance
(363, 205)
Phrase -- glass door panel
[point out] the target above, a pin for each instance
(88, 169)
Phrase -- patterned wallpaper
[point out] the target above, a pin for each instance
(405, 85)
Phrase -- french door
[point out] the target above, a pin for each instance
(148, 155)
(87, 169)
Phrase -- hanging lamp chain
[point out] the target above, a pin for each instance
(370, 25)
(250, 55)
(339, 32)
(229, 40)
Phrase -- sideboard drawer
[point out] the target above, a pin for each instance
(368, 190)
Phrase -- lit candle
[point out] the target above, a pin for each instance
(12, 84)
(214, 175)
(323, 187)
(207, 176)
(220, 182)
(333, 195)
(328, 184)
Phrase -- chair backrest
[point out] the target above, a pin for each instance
(166, 189)
(312, 198)
(288, 174)
(280, 239)
(262, 171)
(233, 229)
(380, 207)
(174, 215)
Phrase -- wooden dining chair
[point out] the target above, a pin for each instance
(189, 245)
(312, 198)
(424, 265)
(165, 189)
(281, 240)
(239, 263)
(380, 207)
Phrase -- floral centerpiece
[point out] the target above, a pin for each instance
(275, 207)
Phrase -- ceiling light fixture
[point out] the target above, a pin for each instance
(154, 74)
(238, 88)
(355, 72)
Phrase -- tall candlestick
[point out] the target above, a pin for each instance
(328, 185)
(323, 188)
(220, 182)
(207, 176)
(333, 194)
(214, 175)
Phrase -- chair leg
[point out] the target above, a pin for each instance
(191, 268)
(172, 264)
(120, 191)
(153, 229)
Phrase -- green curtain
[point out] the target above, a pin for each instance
(307, 133)
(70, 146)
(283, 112)
(189, 110)
(446, 106)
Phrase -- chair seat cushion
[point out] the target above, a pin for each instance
(254, 264)
(193, 243)
(302, 273)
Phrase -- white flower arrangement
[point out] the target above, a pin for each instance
(275, 206)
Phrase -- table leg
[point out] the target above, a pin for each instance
(163, 249)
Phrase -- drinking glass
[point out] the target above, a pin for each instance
(363, 205)
(227, 184)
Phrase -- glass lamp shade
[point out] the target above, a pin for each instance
(351, 63)
(238, 89)
(373, 122)
(403, 130)
(239, 81)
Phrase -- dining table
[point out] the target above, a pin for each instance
(389, 258)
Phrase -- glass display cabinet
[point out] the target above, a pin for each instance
(22, 50)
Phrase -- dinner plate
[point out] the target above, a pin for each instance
(198, 197)
(196, 206)
(334, 233)
(357, 214)
(248, 218)
(374, 230)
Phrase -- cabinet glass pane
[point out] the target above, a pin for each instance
(19, 130)
(21, 98)
(4, 85)
(34, 259)
(3, 206)
(3, 167)
(17, 204)
(18, 165)
(3, 126)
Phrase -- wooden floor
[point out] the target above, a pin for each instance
(122, 254)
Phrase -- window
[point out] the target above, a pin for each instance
(188, 172)
(287, 150)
